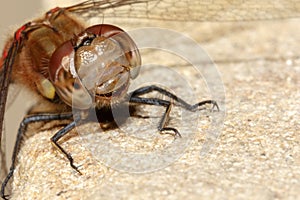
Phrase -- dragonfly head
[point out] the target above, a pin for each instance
(94, 69)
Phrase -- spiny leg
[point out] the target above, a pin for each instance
(59, 135)
(163, 122)
(182, 103)
(21, 132)
(135, 98)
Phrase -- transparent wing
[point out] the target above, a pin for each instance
(5, 77)
(189, 10)
(3, 167)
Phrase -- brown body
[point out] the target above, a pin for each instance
(39, 40)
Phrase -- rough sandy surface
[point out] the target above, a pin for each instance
(256, 156)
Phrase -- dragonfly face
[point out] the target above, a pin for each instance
(102, 62)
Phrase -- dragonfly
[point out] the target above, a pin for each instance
(62, 87)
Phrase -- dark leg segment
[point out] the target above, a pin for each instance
(135, 98)
(21, 132)
(59, 135)
(182, 103)
(163, 122)
(159, 102)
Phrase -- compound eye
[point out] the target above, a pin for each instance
(128, 45)
(63, 75)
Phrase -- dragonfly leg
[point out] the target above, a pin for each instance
(182, 103)
(135, 98)
(60, 134)
(163, 122)
(21, 133)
